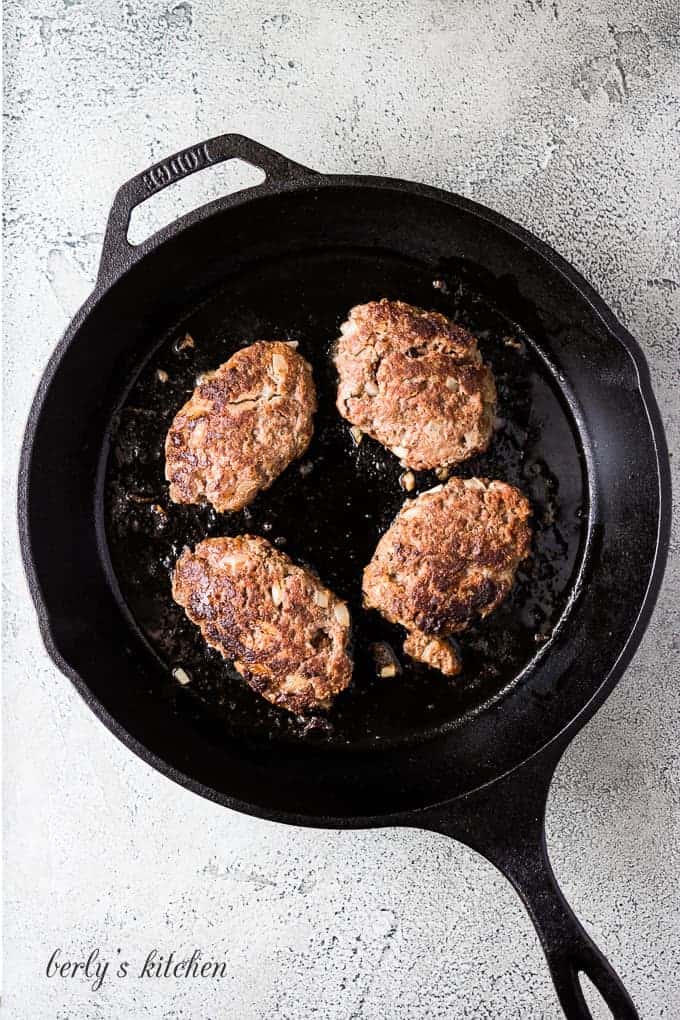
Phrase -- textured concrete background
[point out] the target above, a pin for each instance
(564, 116)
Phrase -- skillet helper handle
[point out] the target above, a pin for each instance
(505, 822)
(117, 252)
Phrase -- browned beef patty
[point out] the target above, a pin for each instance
(449, 556)
(242, 426)
(286, 633)
(415, 382)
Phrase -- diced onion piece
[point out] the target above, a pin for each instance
(296, 683)
(341, 614)
(278, 364)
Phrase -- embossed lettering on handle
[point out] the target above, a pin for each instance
(176, 167)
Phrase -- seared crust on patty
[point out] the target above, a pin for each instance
(243, 425)
(449, 556)
(415, 381)
(286, 633)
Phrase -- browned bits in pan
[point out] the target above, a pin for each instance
(387, 664)
(184, 343)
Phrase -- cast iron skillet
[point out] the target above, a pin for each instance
(578, 430)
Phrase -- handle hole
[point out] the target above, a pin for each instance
(596, 1004)
(189, 193)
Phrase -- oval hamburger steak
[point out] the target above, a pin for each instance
(286, 633)
(449, 556)
(242, 426)
(416, 382)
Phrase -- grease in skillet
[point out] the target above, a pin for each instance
(329, 509)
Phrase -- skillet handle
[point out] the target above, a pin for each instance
(505, 822)
(117, 252)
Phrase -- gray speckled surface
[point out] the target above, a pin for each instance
(562, 115)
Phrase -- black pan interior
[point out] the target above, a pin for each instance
(329, 509)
